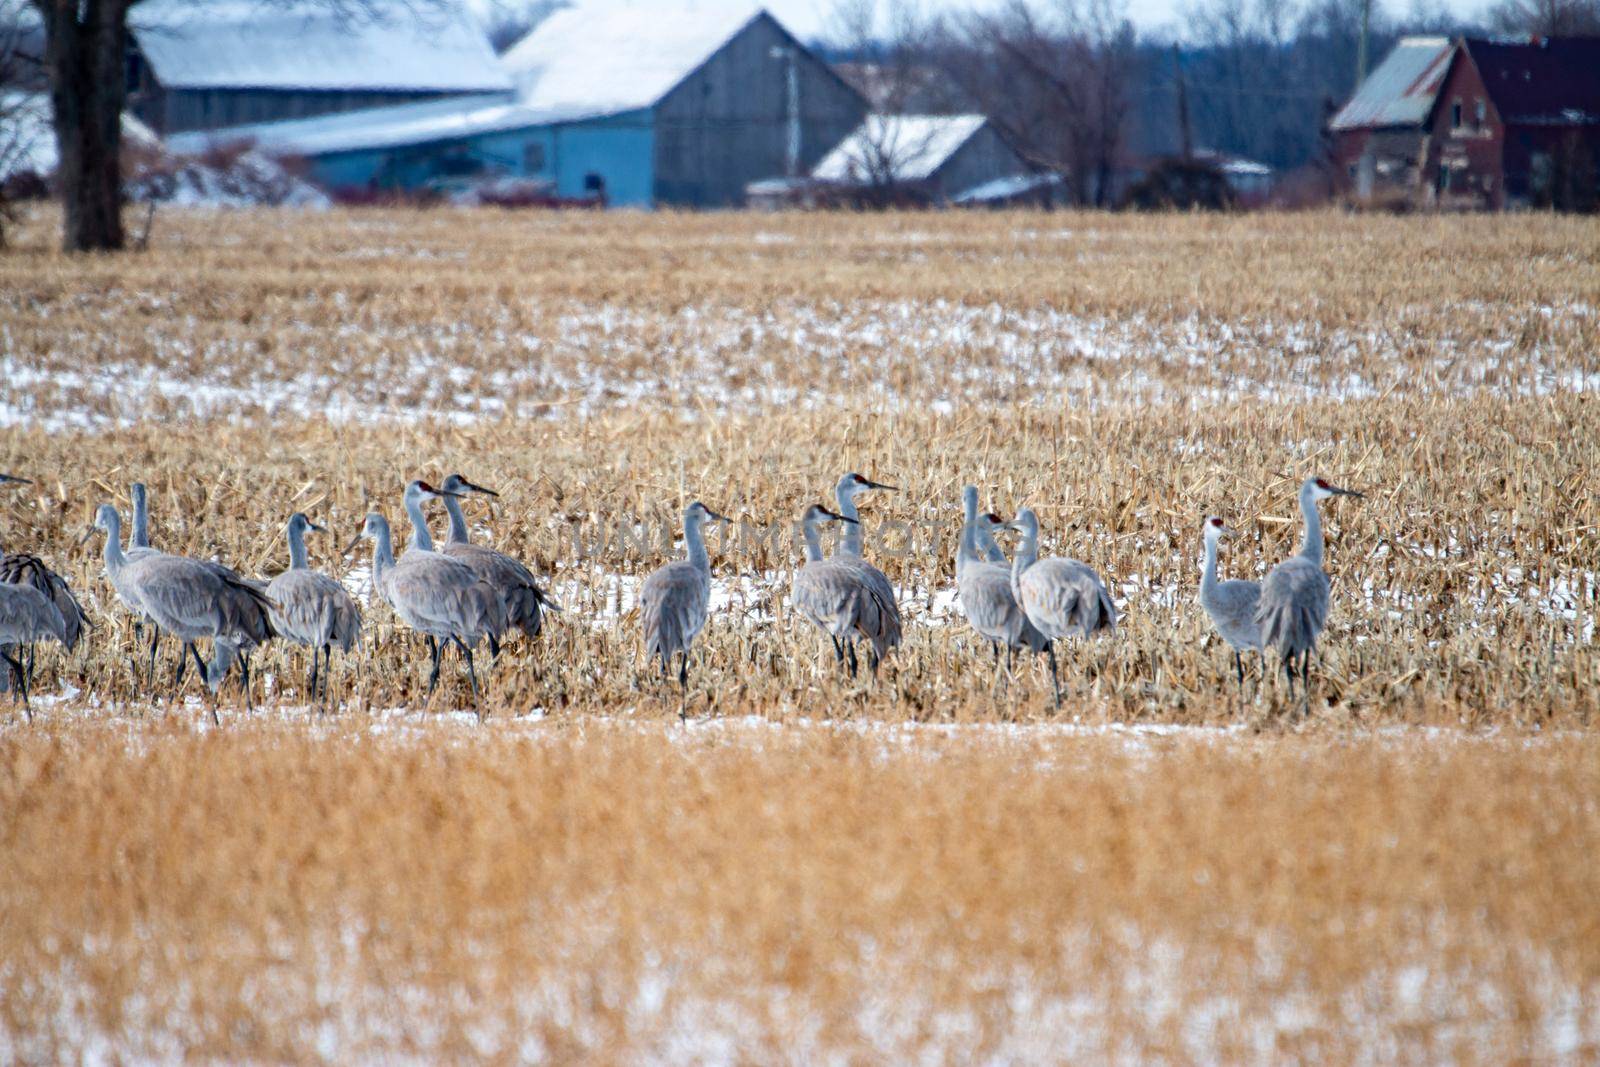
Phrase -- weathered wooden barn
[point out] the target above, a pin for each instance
(1380, 136)
(928, 159)
(645, 106)
(224, 63)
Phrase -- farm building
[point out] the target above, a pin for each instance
(1380, 136)
(920, 158)
(637, 106)
(1517, 123)
(207, 66)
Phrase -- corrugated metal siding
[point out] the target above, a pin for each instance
(1402, 90)
(726, 124)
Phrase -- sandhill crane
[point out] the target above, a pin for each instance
(885, 620)
(26, 616)
(986, 597)
(839, 599)
(525, 602)
(1061, 597)
(25, 569)
(433, 594)
(676, 597)
(189, 599)
(312, 609)
(1294, 598)
(1231, 605)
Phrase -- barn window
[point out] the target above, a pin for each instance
(593, 182)
(533, 157)
(1455, 115)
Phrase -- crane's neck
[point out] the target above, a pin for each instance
(1027, 552)
(1208, 576)
(851, 540)
(421, 539)
(382, 553)
(458, 521)
(113, 554)
(297, 548)
(140, 537)
(967, 547)
(695, 542)
(813, 540)
(1311, 547)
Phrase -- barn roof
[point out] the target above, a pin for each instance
(600, 59)
(914, 147)
(304, 44)
(1401, 91)
(1548, 81)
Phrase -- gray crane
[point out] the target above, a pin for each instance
(525, 601)
(439, 597)
(1061, 597)
(26, 616)
(837, 597)
(677, 596)
(986, 598)
(190, 599)
(1231, 605)
(1294, 598)
(312, 609)
(885, 620)
(25, 569)
(987, 549)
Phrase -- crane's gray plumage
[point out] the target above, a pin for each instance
(524, 600)
(433, 594)
(839, 598)
(25, 569)
(984, 589)
(1230, 605)
(675, 599)
(26, 616)
(312, 609)
(1293, 610)
(986, 549)
(879, 620)
(1061, 597)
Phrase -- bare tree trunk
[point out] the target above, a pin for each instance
(86, 42)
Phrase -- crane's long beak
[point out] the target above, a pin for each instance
(320, 529)
(834, 515)
(351, 547)
(86, 535)
(1229, 531)
(870, 484)
(1336, 491)
(471, 488)
(715, 517)
(14, 478)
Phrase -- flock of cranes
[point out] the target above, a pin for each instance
(460, 595)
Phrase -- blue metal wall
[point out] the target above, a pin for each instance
(618, 148)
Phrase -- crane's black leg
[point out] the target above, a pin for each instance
(472, 675)
(433, 676)
(683, 670)
(199, 665)
(244, 680)
(183, 664)
(851, 646)
(1238, 666)
(155, 636)
(1288, 669)
(20, 682)
(311, 680)
(30, 664)
(838, 650)
(1055, 678)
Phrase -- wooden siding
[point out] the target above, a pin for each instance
(726, 125)
(984, 157)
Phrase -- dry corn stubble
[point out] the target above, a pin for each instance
(377, 884)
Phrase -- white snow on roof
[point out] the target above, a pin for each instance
(1401, 90)
(379, 127)
(302, 44)
(604, 58)
(907, 148)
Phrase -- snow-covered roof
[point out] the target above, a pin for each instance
(908, 148)
(305, 44)
(605, 58)
(378, 127)
(1401, 91)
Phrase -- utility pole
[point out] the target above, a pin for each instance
(1361, 44)
(792, 107)
(1184, 133)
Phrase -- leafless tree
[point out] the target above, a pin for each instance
(85, 48)
(22, 118)
(1547, 18)
(509, 21)
(1056, 80)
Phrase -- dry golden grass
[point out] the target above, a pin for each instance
(584, 886)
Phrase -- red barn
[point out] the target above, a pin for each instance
(1517, 124)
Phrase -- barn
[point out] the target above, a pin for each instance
(1380, 136)
(920, 158)
(227, 63)
(670, 106)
